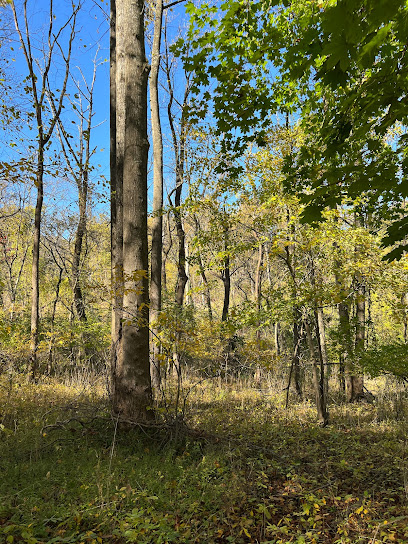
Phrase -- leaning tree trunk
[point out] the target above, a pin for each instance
(132, 395)
(157, 220)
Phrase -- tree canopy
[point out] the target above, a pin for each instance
(339, 67)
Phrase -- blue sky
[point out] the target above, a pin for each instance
(91, 42)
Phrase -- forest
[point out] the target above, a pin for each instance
(203, 272)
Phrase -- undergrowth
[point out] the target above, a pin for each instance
(243, 470)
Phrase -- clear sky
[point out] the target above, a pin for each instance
(91, 43)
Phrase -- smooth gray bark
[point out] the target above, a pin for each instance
(157, 220)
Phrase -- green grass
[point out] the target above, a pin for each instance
(252, 472)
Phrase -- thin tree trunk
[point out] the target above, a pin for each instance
(78, 164)
(318, 380)
(207, 294)
(321, 335)
(404, 304)
(258, 289)
(39, 86)
(226, 278)
(189, 284)
(179, 152)
(276, 337)
(166, 253)
(54, 310)
(35, 283)
(354, 380)
(116, 119)
(181, 261)
(321, 339)
(157, 219)
(179, 144)
(345, 332)
(76, 263)
(344, 327)
(297, 336)
(206, 288)
(295, 365)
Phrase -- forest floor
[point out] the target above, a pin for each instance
(244, 470)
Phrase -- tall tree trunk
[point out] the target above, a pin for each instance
(295, 365)
(132, 395)
(404, 305)
(78, 164)
(50, 364)
(297, 337)
(157, 219)
(35, 276)
(181, 260)
(355, 380)
(179, 152)
(318, 380)
(258, 288)
(290, 261)
(116, 119)
(166, 253)
(258, 297)
(276, 333)
(321, 337)
(39, 90)
(321, 340)
(179, 145)
(76, 263)
(189, 284)
(346, 350)
(206, 287)
(226, 277)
